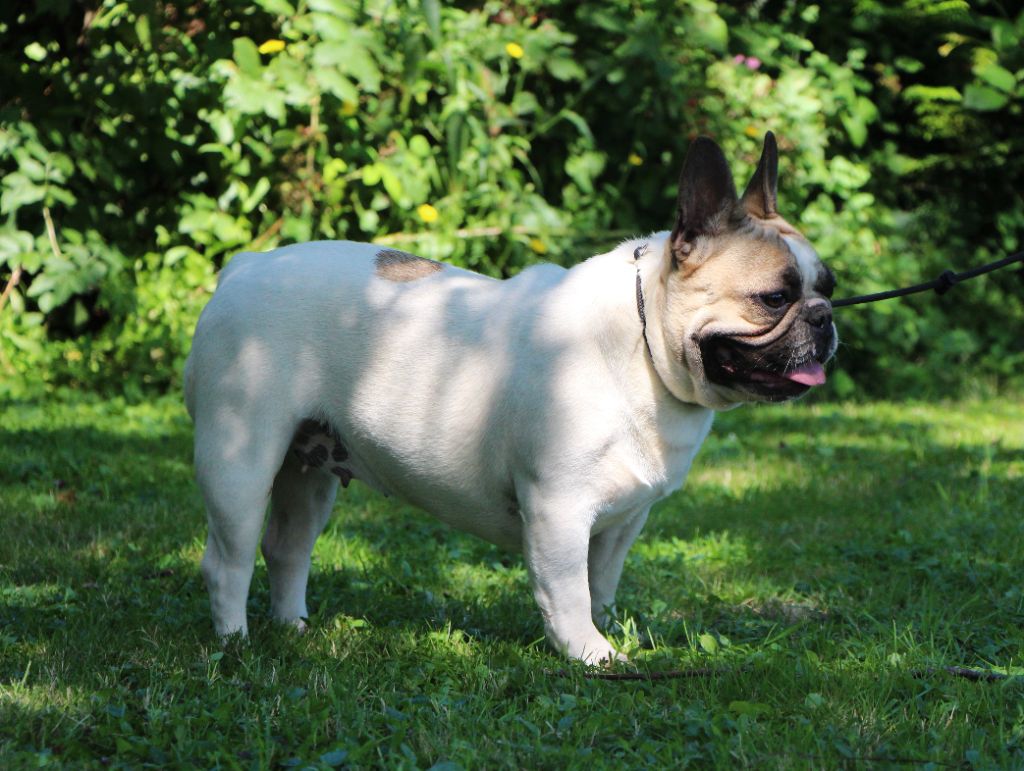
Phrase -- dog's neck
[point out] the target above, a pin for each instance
(666, 383)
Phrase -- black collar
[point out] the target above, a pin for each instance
(639, 252)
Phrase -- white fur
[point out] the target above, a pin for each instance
(806, 258)
(524, 411)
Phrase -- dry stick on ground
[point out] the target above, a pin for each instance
(976, 675)
(872, 759)
(670, 674)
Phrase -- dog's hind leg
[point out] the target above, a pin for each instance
(300, 506)
(235, 468)
(235, 513)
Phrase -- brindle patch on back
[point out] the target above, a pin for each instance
(318, 446)
(395, 265)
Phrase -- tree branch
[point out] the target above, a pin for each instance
(11, 283)
(51, 231)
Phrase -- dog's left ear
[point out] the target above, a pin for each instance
(760, 197)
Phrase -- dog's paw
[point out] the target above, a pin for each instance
(596, 652)
(603, 658)
(298, 624)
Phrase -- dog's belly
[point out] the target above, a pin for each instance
(491, 515)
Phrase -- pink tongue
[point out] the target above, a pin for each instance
(810, 374)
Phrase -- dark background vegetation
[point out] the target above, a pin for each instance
(143, 143)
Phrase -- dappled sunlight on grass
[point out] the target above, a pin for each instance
(334, 549)
(713, 550)
(453, 642)
(738, 483)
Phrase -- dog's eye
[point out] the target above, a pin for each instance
(774, 300)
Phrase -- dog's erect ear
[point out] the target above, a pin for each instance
(707, 197)
(760, 197)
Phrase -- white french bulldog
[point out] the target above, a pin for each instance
(545, 412)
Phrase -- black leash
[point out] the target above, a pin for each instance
(941, 285)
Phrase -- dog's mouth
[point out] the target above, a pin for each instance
(771, 373)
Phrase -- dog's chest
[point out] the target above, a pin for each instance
(651, 465)
(672, 451)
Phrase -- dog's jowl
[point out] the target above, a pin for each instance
(546, 412)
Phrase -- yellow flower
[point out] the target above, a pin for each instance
(538, 246)
(271, 47)
(514, 50)
(427, 213)
(349, 108)
(635, 160)
(751, 131)
(73, 355)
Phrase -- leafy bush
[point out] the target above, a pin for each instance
(141, 144)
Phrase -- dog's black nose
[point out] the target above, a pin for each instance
(819, 316)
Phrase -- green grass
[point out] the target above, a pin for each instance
(825, 561)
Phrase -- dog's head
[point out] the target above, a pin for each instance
(746, 307)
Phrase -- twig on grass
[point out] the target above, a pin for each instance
(975, 675)
(668, 674)
(872, 759)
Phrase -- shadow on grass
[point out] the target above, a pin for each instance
(104, 530)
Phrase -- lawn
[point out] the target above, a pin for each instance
(819, 573)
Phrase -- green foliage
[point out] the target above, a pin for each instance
(827, 612)
(142, 144)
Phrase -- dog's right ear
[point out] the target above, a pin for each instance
(760, 197)
(707, 197)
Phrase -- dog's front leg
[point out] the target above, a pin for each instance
(608, 550)
(556, 548)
